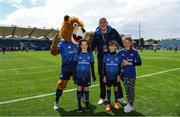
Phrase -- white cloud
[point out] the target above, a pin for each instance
(34, 2)
(16, 3)
(159, 19)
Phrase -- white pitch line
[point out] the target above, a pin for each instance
(70, 90)
(158, 72)
(39, 96)
(28, 68)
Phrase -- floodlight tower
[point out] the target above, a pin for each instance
(139, 20)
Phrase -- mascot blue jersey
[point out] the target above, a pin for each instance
(67, 51)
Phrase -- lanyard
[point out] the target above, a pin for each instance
(104, 39)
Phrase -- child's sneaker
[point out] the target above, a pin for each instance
(108, 107)
(79, 109)
(117, 105)
(128, 108)
(122, 100)
(87, 106)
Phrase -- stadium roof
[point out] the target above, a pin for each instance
(23, 32)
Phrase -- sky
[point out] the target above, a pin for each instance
(160, 19)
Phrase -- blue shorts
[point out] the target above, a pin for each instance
(112, 82)
(84, 82)
(65, 75)
(66, 71)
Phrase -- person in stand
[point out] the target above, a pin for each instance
(3, 49)
(176, 49)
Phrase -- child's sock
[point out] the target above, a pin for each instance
(116, 95)
(86, 93)
(87, 100)
(108, 96)
(79, 95)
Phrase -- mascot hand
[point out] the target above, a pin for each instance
(54, 49)
(55, 40)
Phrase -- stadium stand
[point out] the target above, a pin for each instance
(169, 43)
(23, 38)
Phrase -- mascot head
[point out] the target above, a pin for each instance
(72, 29)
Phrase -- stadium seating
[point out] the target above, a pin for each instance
(169, 44)
(19, 44)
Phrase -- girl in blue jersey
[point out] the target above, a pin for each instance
(129, 60)
(84, 65)
(112, 63)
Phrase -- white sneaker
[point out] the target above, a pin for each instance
(122, 100)
(55, 106)
(101, 101)
(128, 108)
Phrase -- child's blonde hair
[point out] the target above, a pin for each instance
(130, 40)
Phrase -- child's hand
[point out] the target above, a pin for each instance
(125, 63)
(104, 79)
(118, 78)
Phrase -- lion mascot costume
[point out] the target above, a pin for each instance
(65, 43)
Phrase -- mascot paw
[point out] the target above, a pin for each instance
(54, 50)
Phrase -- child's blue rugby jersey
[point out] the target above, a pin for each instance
(133, 57)
(112, 65)
(83, 66)
(67, 51)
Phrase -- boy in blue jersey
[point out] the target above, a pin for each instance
(129, 59)
(112, 65)
(84, 65)
(67, 51)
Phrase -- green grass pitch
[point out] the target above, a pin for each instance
(36, 73)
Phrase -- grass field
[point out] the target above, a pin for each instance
(30, 74)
